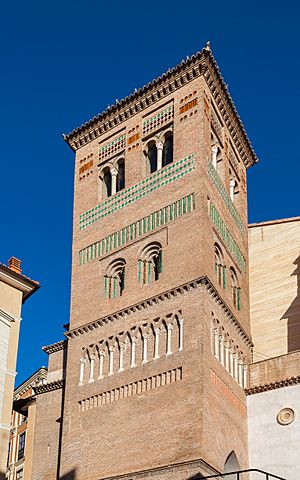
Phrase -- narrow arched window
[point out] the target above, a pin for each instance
(167, 155)
(114, 279)
(150, 263)
(121, 175)
(220, 268)
(235, 289)
(106, 183)
(152, 157)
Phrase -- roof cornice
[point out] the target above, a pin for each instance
(202, 63)
(49, 387)
(18, 281)
(54, 347)
(273, 385)
(180, 290)
(41, 373)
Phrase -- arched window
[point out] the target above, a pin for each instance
(220, 268)
(106, 182)
(150, 263)
(151, 155)
(167, 155)
(114, 279)
(235, 289)
(231, 465)
(121, 175)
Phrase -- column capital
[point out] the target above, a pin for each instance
(114, 172)
(159, 145)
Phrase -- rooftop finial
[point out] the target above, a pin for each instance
(207, 46)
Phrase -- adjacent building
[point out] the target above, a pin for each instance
(15, 289)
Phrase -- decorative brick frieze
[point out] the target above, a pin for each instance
(112, 148)
(215, 179)
(273, 385)
(167, 295)
(127, 196)
(234, 162)
(158, 120)
(54, 347)
(216, 124)
(135, 388)
(138, 229)
(226, 236)
(203, 63)
(85, 167)
(227, 393)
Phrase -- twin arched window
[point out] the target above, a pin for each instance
(159, 154)
(113, 179)
(220, 268)
(235, 289)
(114, 280)
(150, 263)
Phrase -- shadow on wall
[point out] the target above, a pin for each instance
(197, 476)
(292, 315)
(71, 475)
(2, 476)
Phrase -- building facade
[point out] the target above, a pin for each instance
(20, 450)
(15, 289)
(155, 363)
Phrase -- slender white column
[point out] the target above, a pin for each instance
(92, 366)
(156, 343)
(235, 366)
(81, 373)
(145, 348)
(240, 373)
(114, 173)
(169, 338)
(159, 147)
(101, 364)
(226, 357)
(231, 188)
(111, 361)
(180, 347)
(245, 376)
(216, 344)
(133, 349)
(222, 350)
(231, 362)
(122, 350)
(214, 153)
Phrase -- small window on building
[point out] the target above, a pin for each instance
(151, 155)
(150, 263)
(121, 175)
(114, 279)
(106, 191)
(235, 289)
(167, 156)
(220, 268)
(21, 448)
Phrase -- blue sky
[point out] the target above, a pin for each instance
(63, 62)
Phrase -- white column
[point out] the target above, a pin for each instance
(111, 361)
(240, 373)
(180, 348)
(169, 338)
(214, 153)
(121, 364)
(81, 373)
(245, 376)
(133, 349)
(92, 365)
(159, 147)
(222, 349)
(156, 343)
(226, 357)
(231, 188)
(114, 173)
(145, 348)
(231, 362)
(101, 364)
(235, 366)
(216, 343)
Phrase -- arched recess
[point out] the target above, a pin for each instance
(220, 268)
(151, 157)
(150, 263)
(114, 279)
(121, 174)
(231, 465)
(167, 155)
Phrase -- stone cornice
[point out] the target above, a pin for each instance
(273, 385)
(161, 297)
(40, 374)
(49, 387)
(18, 281)
(54, 347)
(202, 63)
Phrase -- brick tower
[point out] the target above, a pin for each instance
(159, 342)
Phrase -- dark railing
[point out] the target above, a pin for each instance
(245, 474)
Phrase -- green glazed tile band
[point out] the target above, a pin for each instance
(119, 139)
(224, 232)
(215, 179)
(125, 197)
(160, 114)
(139, 228)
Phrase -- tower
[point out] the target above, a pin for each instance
(159, 338)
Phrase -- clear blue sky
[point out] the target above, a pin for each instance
(63, 62)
